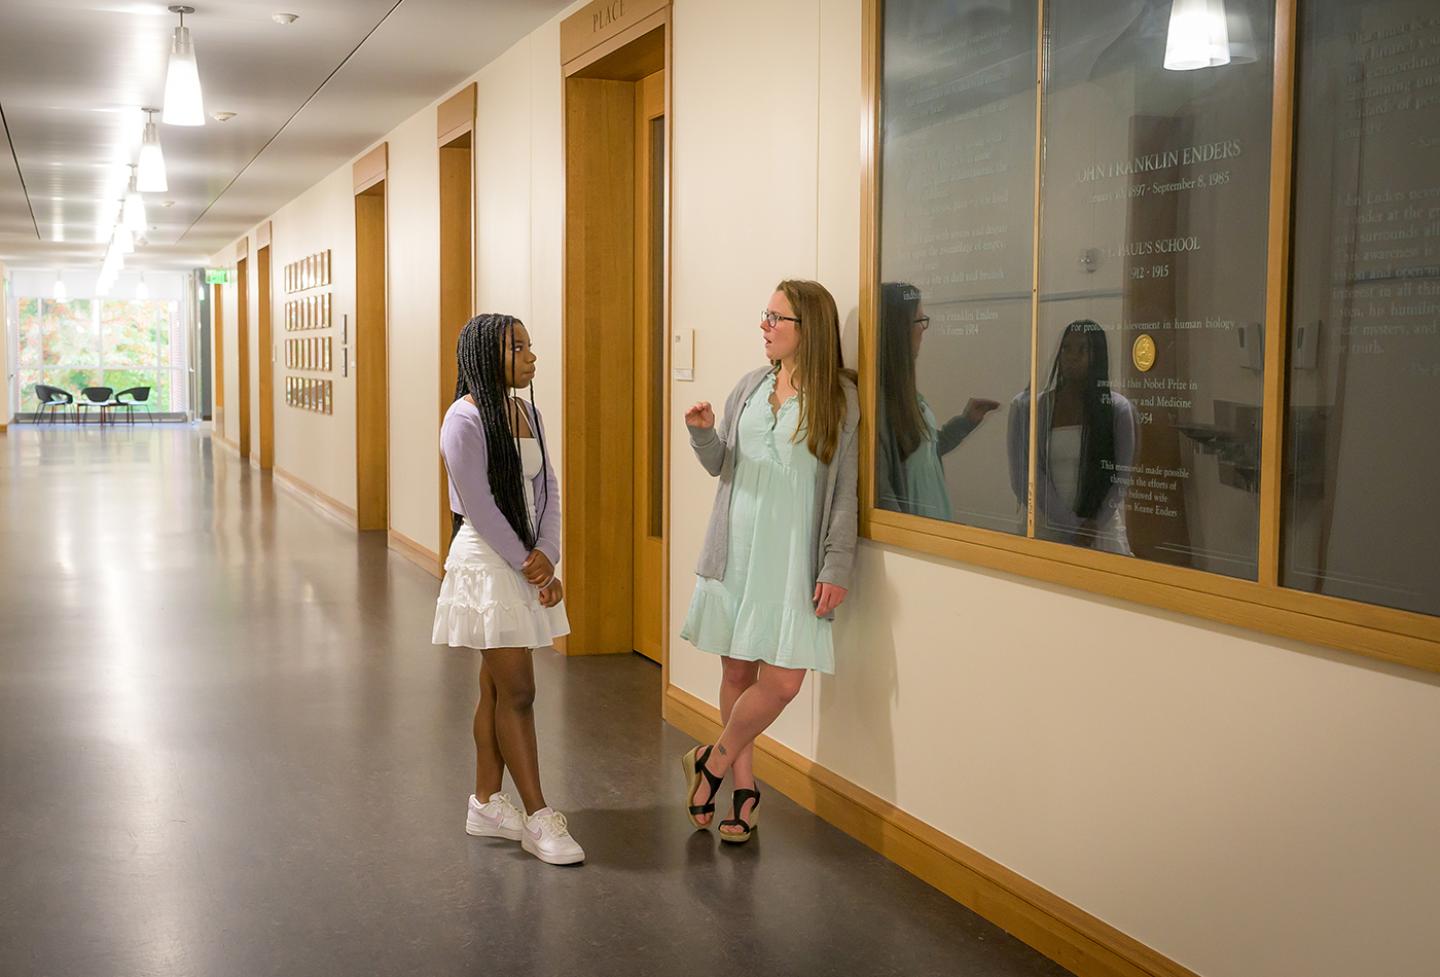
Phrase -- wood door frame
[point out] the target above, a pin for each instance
(370, 353)
(242, 345)
(455, 133)
(649, 555)
(266, 354)
(630, 51)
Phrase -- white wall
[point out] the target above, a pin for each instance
(1247, 806)
(319, 449)
(229, 359)
(7, 328)
(413, 301)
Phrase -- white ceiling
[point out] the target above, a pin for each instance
(307, 97)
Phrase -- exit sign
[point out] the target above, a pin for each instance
(217, 276)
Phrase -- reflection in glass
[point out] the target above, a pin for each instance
(910, 444)
(1154, 205)
(1362, 456)
(1085, 449)
(956, 223)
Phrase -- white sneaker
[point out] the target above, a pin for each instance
(547, 837)
(497, 818)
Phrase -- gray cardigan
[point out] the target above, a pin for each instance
(832, 536)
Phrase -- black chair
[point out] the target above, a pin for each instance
(139, 397)
(53, 398)
(101, 397)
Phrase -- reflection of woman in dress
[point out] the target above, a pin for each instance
(1085, 449)
(909, 473)
(781, 541)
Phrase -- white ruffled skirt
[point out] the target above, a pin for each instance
(486, 603)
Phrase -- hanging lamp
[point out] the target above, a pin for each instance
(184, 104)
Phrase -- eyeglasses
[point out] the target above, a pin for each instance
(923, 322)
(772, 319)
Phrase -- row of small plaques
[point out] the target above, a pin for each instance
(309, 394)
(312, 271)
(311, 312)
(308, 354)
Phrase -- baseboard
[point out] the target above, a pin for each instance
(331, 507)
(423, 557)
(1062, 931)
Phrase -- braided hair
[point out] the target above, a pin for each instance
(484, 341)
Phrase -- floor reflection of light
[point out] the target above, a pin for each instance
(122, 580)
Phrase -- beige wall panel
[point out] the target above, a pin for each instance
(413, 185)
(744, 198)
(317, 448)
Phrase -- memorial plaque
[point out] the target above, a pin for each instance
(956, 246)
(1153, 234)
(1362, 455)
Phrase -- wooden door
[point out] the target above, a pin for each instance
(372, 398)
(242, 342)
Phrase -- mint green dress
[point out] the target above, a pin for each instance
(762, 610)
(925, 491)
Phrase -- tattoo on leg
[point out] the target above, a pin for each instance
(721, 750)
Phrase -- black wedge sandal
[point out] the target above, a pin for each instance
(694, 765)
(738, 800)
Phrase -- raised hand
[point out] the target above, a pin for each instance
(701, 416)
(976, 409)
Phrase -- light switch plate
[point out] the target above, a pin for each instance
(682, 355)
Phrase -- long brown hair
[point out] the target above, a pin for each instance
(819, 366)
(899, 399)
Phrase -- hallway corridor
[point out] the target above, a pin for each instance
(227, 749)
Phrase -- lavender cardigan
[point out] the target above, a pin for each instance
(462, 445)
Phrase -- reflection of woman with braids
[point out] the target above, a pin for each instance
(500, 593)
(1085, 448)
(909, 472)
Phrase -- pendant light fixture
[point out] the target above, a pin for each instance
(184, 105)
(1241, 36)
(150, 177)
(142, 291)
(134, 208)
(1198, 36)
(60, 294)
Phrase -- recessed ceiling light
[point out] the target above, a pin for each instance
(222, 116)
(285, 19)
(168, 203)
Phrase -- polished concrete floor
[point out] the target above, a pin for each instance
(227, 748)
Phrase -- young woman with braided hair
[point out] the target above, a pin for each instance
(500, 594)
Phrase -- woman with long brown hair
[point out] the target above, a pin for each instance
(781, 541)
